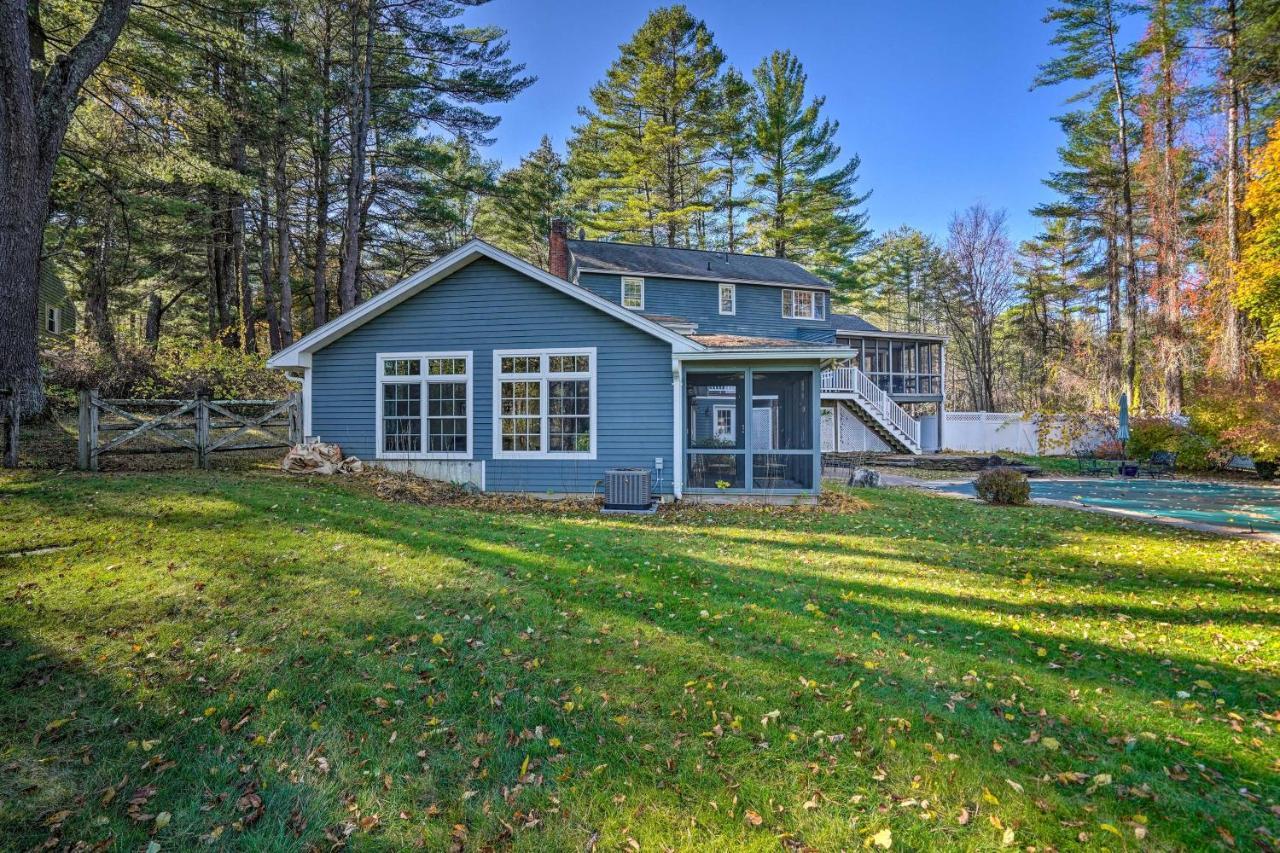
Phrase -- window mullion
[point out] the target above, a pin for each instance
(544, 408)
(424, 420)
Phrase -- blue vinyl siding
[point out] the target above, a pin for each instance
(759, 309)
(483, 307)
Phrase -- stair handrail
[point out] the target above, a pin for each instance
(863, 385)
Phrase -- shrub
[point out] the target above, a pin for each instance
(1109, 449)
(1243, 417)
(70, 367)
(1147, 435)
(1196, 451)
(186, 370)
(174, 369)
(1003, 486)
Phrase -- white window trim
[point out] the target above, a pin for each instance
(423, 379)
(817, 305)
(56, 311)
(632, 280)
(544, 376)
(733, 298)
(733, 421)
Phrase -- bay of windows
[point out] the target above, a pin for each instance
(546, 403)
(424, 405)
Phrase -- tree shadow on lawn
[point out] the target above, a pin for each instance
(1056, 531)
(570, 594)
(93, 752)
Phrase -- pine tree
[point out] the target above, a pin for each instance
(1089, 190)
(733, 155)
(1088, 34)
(642, 159)
(807, 209)
(517, 216)
(898, 272)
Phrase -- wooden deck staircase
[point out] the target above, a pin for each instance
(873, 407)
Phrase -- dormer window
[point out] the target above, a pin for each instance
(728, 298)
(804, 305)
(633, 293)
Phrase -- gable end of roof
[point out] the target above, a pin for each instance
(298, 355)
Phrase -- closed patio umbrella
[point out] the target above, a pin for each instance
(1123, 432)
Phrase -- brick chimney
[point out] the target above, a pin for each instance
(558, 256)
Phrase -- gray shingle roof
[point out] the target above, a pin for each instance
(689, 263)
(851, 323)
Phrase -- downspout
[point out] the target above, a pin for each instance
(677, 431)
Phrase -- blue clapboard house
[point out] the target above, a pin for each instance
(723, 374)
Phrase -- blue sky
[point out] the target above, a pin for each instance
(933, 95)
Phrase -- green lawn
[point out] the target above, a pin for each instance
(258, 662)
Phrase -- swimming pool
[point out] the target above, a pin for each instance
(1248, 507)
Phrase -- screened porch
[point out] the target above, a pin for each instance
(751, 429)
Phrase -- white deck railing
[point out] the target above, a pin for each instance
(845, 378)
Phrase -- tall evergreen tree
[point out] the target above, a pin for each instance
(898, 274)
(1088, 35)
(733, 156)
(642, 158)
(517, 216)
(807, 208)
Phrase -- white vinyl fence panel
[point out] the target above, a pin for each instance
(990, 432)
(1012, 432)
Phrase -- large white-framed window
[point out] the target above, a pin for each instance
(633, 293)
(424, 405)
(544, 403)
(804, 305)
(52, 318)
(728, 298)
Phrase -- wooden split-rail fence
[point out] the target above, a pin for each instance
(201, 426)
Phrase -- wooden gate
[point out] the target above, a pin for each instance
(201, 426)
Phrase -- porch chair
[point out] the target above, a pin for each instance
(1088, 463)
(1161, 464)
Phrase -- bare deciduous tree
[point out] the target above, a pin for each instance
(980, 287)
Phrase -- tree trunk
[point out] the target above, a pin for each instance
(361, 97)
(35, 110)
(1131, 256)
(96, 325)
(1164, 215)
(322, 156)
(240, 258)
(151, 332)
(264, 260)
(1232, 336)
(283, 253)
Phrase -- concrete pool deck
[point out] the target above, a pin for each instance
(948, 488)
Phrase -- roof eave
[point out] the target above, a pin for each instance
(767, 354)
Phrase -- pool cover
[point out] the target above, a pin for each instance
(1248, 507)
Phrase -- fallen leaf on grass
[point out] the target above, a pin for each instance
(882, 839)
